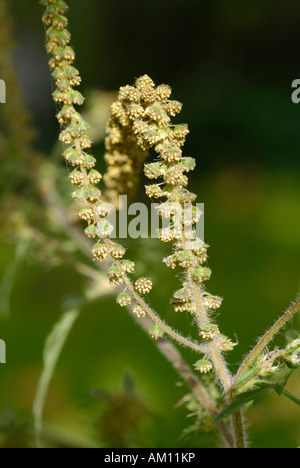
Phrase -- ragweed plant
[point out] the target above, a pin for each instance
(141, 123)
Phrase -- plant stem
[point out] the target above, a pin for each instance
(174, 357)
(52, 200)
(268, 336)
(237, 426)
(291, 397)
(221, 371)
(156, 319)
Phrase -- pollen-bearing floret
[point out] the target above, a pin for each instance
(208, 331)
(100, 252)
(156, 332)
(203, 365)
(143, 285)
(139, 311)
(124, 299)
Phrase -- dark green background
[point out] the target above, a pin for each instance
(232, 64)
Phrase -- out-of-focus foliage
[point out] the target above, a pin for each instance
(120, 419)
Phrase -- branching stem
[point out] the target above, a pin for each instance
(156, 319)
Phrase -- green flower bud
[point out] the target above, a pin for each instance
(171, 261)
(124, 299)
(171, 154)
(73, 157)
(224, 343)
(77, 178)
(191, 215)
(154, 170)
(128, 266)
(104, 228)
(117, 251)
(201, 274)
(208, 330)
(103, 209)
(188, 163)
(183, 294)
(94, 176)
(100, 252)
(185, 259)
(60, 22)
(203, 365)
(114, 271)
(156, 332)
(90, 194)
(87, 214)
(154, 191)
(61, 36)
(212, 302)
(88, 161)
(91, 231)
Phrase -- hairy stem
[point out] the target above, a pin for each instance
(156, 319)
(221, 371)
(200, 392)
(168, 350)
(219, 364)
(268, 336)
(238, 429)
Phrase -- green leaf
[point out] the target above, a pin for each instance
(189, 430)
(279, 389)
(249, 374)
(52, 350)
(9, 279)
(242, 399)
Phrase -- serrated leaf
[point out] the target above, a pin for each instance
(253, 396)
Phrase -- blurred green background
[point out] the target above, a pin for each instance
(232, 64)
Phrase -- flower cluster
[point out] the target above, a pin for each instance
(74, 132)
(124, 156)
(149, 110)
(140, 120)
(146, 110)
